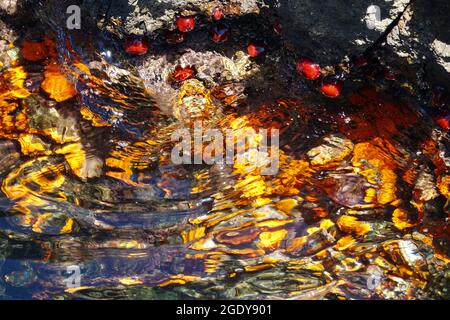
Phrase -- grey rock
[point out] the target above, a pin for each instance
(422, 36)
(7, 53)
(329, 30)
(418, 31)
(9, 6)
(145, 16)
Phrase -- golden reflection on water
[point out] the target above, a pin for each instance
(288, 223)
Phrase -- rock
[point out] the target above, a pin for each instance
(334, 149)
(328, 31)
(145, 16)
(426, 186)
(422, 36)
(212, 68)
(9, 155)
(9, 6)
(7, 53)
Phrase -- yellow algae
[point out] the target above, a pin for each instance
(351, 264)
(82, 67)
(345, 242)
(383, 263)
(205, 243)
(314, 266)
(352, 225)
(371, 195)
(212, 263)
(273, 223)
(68, 227)
(83, 165)
(251, 186)
(216, 219)
(194, 102)
(442, 257)
(400, 219)
(260, 214)
(56, 84)
(26, 187)
(75, 290)
(179, 279)
(124, 162)
(375, 161)
(124, 244)
(40, 220)
(247, 252)
(353, 212)
(388, 186)
(312, 230)
(43, 218)
(444, 186)
(286, 205)
(193, 234)
(129, 281)
(271, 240)
(11, 84)
(292, 175)
(326, 224)
(96, 119)
(48, 178)
(296, 244)
(33, 144)
(428, 240)
(237, 236)
(259, 267)
(260, 202)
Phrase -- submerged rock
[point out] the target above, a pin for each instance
(334, 149)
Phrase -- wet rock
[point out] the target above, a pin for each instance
(405, 252)
(334, 149)
(211, 67)
(415, 30)
(7, 53)
(21, 278)
(9, 6)
(348, 190)
(426, 185)
(327, 31)
(422, 37)
(145, 16)
(9, 155)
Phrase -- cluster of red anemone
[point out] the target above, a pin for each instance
(220, 31)
(330, 85)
